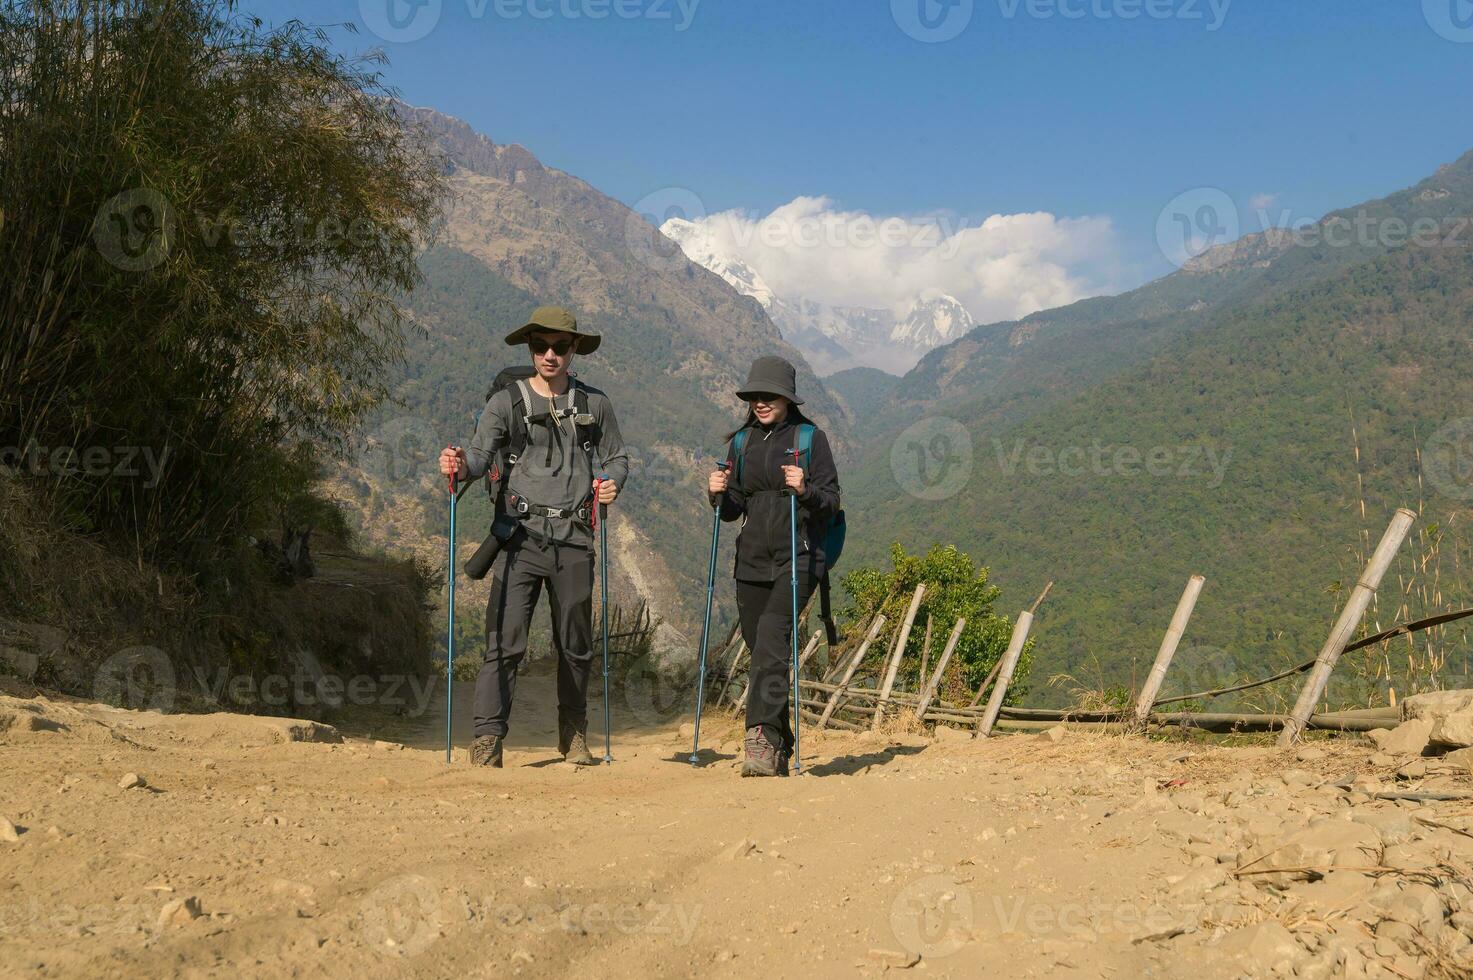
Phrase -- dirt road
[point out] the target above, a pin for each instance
(254, 850)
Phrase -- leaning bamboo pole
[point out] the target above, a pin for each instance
(1169, 643)
(874, 631)
(1009, 663)
(1350, 617)
(925, 651)
(929, 691)
(900, 642)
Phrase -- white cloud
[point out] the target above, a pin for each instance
(1262, 202)
(1005, 267)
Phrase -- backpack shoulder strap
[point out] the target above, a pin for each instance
(521, 397)
(804, 444)
(738, 451)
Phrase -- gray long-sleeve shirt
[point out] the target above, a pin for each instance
(553, 470)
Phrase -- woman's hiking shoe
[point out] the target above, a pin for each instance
(486, 751)
(572, 742)
(763, 758)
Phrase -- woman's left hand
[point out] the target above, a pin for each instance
(608, 491)
(793, 477)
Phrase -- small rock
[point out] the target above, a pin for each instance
(1382, 759)
(1454, 730)
(521, 956)
(895, 958)
(1408, 738)
(1457, 757)
(1267, 944)
(1309, 753)
(8, 831)
(945, 733)
(1053, 735)
(740, 849)
(1416, 769)
(132, 781)
(687, 732)
(1436, 704)
(179, 912)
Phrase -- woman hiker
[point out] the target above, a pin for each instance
(764, 471)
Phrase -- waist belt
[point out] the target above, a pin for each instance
(521, 506)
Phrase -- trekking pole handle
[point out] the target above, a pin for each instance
(455, 474)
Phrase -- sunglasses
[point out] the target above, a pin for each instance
(765, 397)
(562, 348)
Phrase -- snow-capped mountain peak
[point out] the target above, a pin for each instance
(832, 336)
(932, 322)
(700, 246)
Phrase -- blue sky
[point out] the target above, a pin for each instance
(1060, 106)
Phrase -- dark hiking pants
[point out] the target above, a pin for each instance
(766, 612)
(567, 572)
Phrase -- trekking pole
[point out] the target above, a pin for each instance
(793, 578)
(706, 624)
(450, 625)
(603, 582)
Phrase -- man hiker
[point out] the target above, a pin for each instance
(544, 439)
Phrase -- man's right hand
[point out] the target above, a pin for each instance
(718, 482)
(452, 461)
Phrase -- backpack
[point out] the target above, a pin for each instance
(515, 378)
(833, 535)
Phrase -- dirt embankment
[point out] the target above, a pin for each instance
(255, 846)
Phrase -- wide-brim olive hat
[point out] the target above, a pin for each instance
(772, 376)
(554, 318)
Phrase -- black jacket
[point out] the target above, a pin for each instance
(760, 500)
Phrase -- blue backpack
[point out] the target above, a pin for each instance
(833, 535)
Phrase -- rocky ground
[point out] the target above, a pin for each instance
(136, 844)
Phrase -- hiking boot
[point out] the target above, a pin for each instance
(486, 751)
(763, 758)
(572, 742)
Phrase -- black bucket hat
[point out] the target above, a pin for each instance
(771, 375)
(554, 318)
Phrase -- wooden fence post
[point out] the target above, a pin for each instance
(1169, 642)
(1008, 663)
(900, 642)
(925, 652)
(1350, 617)
(929, 690)
(874, 631)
